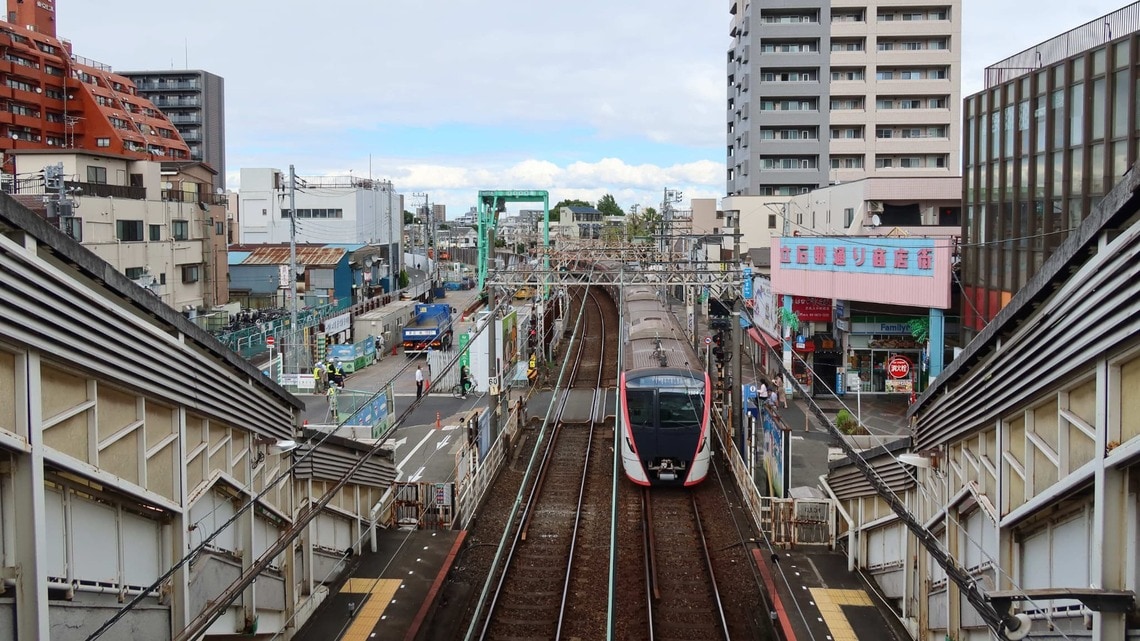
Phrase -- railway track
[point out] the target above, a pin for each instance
(683, 600)
(533, 598)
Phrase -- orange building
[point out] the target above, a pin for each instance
(55, 99)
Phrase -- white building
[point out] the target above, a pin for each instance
(160, 224)
(330, 209)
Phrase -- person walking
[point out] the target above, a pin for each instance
(419, 381)
(781, 394)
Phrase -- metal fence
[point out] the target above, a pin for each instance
(1092, 34)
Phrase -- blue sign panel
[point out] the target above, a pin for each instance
(746, 285)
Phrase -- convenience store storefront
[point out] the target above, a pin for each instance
(872, 346)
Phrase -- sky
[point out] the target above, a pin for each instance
(585, 98)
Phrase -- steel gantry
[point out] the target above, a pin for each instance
(491, 203)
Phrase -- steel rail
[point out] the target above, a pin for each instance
(585, 468)
(532, 496)
(711, 571)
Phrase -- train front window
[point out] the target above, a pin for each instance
(679, 408)
(639, 404)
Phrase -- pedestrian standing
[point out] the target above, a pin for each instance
(419, 381)
(320, 377)
(781, 393)
(332, 396)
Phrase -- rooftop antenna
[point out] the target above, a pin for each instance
(186, 51)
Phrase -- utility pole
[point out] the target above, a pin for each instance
(393, 242)
(292, 351)
(492, 356)
(671, 196)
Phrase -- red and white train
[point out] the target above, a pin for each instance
(665, 395)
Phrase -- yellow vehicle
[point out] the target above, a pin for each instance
(524, 293)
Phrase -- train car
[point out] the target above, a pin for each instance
(665, 396)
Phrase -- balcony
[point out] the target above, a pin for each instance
(168, 85)
(167, 101)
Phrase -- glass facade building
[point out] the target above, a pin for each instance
(1054, 129)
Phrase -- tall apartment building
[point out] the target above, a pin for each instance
(195, 101)
(1054, 129)
(824, 92)
(55, 99)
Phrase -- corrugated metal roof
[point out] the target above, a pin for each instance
(307, 256)
(236, 258)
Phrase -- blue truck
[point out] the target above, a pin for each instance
(430, 327)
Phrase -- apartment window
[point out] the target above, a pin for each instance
(134, 273)
(771, 221)
(54, 94)
(846, 162)
(190, 273)
(847, 74)
(179, 229)
(884, 75)
(97, 175)
(839, 104)
(129, 231)
(155, 233)
(23, 110)
(19, 84)
(102, 142)
(884, 163)
(884, 133)
(848, 216)
(219, 229)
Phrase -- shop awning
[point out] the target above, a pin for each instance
(762, 338)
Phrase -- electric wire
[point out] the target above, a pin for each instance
(286, 473)
(919, 486)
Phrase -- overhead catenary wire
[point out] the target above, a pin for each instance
(270, 486)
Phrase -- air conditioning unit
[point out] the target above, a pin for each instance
(875, 205)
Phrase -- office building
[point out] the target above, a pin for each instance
(1053, 130)
(195, 102)
(330, 210)
(826, 92)
(56, 99)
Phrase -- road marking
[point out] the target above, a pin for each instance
(400, 465)
(417, 476)
(443, 442)
(377, 594)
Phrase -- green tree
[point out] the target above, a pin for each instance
(404, 280)
(409, 217)
(643, 224)
(609, 207)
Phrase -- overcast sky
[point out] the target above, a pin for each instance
(446, 98)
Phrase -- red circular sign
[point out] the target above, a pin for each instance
(898, 367)
(269, 341)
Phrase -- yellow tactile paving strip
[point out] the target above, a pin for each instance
(830, 605)
(380, 593)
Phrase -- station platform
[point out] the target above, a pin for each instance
(815, 597)
(390, 591)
